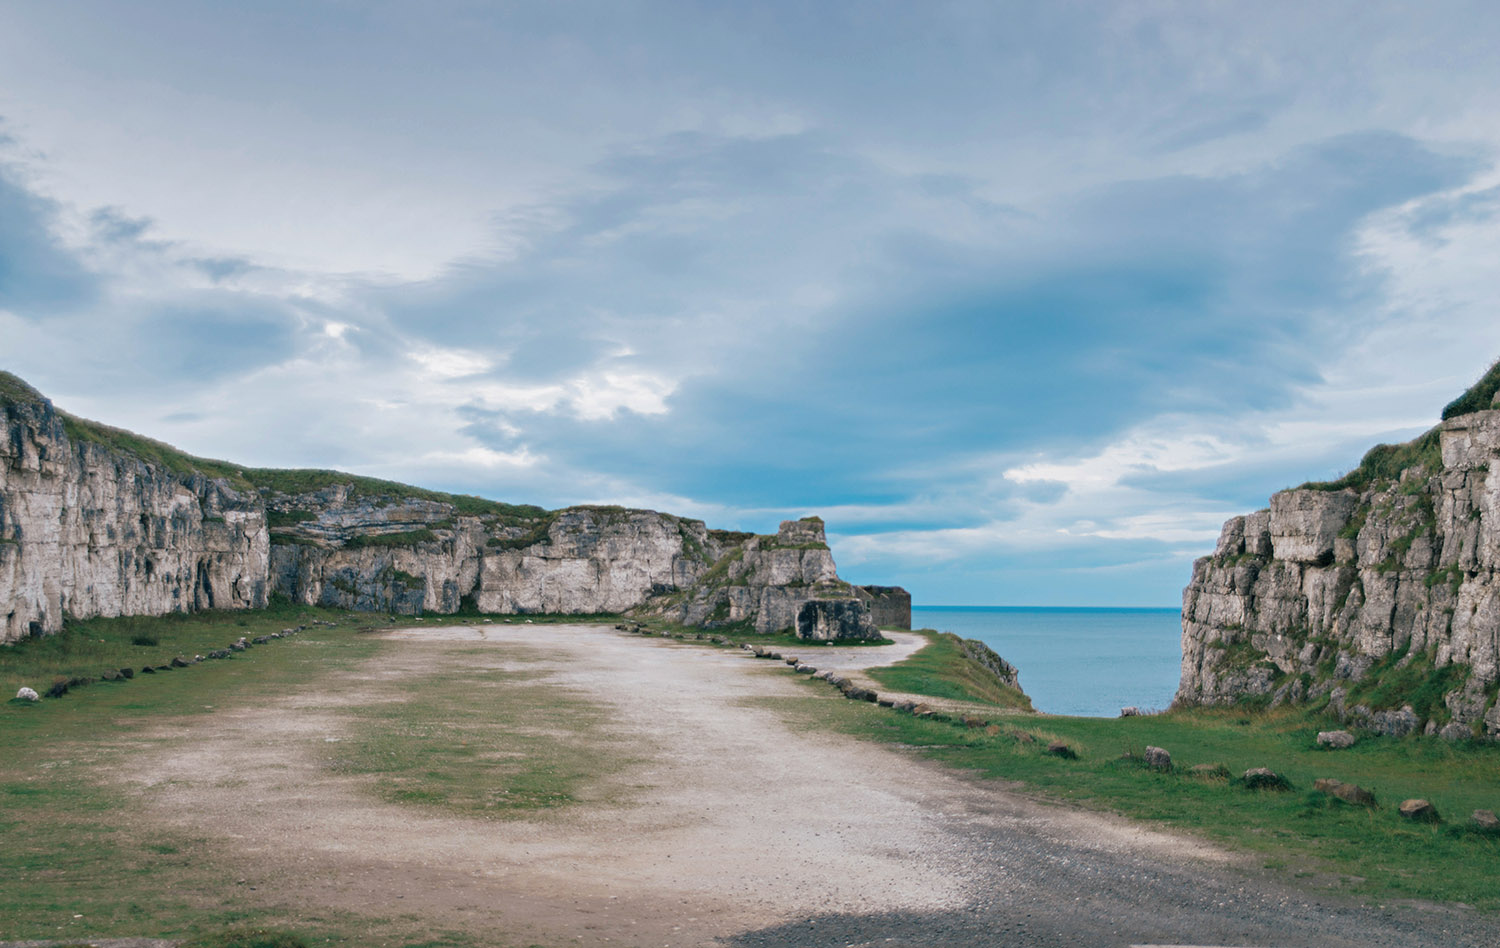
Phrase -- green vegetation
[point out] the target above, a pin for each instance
(537, 533)
(14, 390)
(1385, 462)
(248, 938)
(288, 518)
(1367, 852)
(1479, 396)
(306, 481)
(942, 670)
(1401, 678)
(151, 451)
(476, 739)
(404, 538)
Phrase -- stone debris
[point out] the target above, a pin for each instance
(1420, 811)
(1337, 740)
(1348, 792)
(1485, 820)
(1158, 759)
(27, 694)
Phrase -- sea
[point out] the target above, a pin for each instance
(1089, 662)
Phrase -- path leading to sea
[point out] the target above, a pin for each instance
(734, 825)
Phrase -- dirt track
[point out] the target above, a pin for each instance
(738, 830)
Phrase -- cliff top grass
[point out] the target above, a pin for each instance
(13, 389)
(1385, 462)
(1479, 397)
(296, 481)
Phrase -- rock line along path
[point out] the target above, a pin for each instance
(739, 828)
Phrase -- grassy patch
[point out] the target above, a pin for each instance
(499, 742)
(404, 538)
(1479, 396)
(942, 670)
(1385, 462)
(1397, 680)
(1372, 852)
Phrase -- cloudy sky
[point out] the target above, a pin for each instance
(1024, 298)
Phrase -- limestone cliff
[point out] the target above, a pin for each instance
(89, 530)
(97, 521)
(1376, 594)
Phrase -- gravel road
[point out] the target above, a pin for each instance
(740, 829)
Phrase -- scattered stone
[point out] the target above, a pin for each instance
(238, 646)
(1453, 731)
(110, 674)
(1420, 811)
(219, 653)
(260, 640)
(1336, 740)
(1348, 792)
(921, 710)
(179, 662)
(804, 669)
(147, 670)
(58, 689)
(793, 660)
(1484, 819)
(1130, 712)
(127, 673)
(1059, 749)
(27, 694)
(1157, 758)
(1264, 778)
(886, 703)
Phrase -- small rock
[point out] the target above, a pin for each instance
(127, 673)
(1157, 758)
(1264, 778)
(1337, 740)
(1059, 749)
(147, 670)
(27, 694)
(792, 660)
(1420, 811)
(237, 646)
(805, 670)
(260, 640)
(1484, 819)
(886, 703)
(110, 674)
(179, 662)
(1130, 712)
(1453, 731)
(1348, 792)
(58, 689)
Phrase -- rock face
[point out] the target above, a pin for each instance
(95, 521)
(833, 620)
(1377, 594)
(890, 606)
(86, 530)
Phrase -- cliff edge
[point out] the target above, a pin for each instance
(1376, 595)
(97, 521)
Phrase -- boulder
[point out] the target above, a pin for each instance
(1420, 811)
(1485, 820)
(127, 673)
(1264, 778)
(1453, 731)
(110, 674)
(27, 694)
(179, 662)
(1348, 792)
(835, 620)
(1157, 758)
(1336, 740)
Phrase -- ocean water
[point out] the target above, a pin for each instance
(1076, 661)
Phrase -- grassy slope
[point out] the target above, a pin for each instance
(1306, 834)
(942, 671)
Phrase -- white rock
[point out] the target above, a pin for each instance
(27, 694)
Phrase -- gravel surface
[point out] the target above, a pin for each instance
(734, 829)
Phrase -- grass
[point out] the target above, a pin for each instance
(1479, 396)
(478, 740)
(74, 844)
(1385, 462)
(1372, 853)
(942, 670)
(404, 538)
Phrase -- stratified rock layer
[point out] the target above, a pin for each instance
(88, 531)
(102, 522)
(1380, 597)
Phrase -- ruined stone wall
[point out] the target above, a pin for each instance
(890, 606)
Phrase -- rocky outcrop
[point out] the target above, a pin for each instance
(87, 530)
(96, 521)
(1377, 594)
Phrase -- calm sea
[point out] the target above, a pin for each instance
(1076, 661)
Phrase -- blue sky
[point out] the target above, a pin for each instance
(1024, 298)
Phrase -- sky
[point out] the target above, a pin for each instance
(1024, 299)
